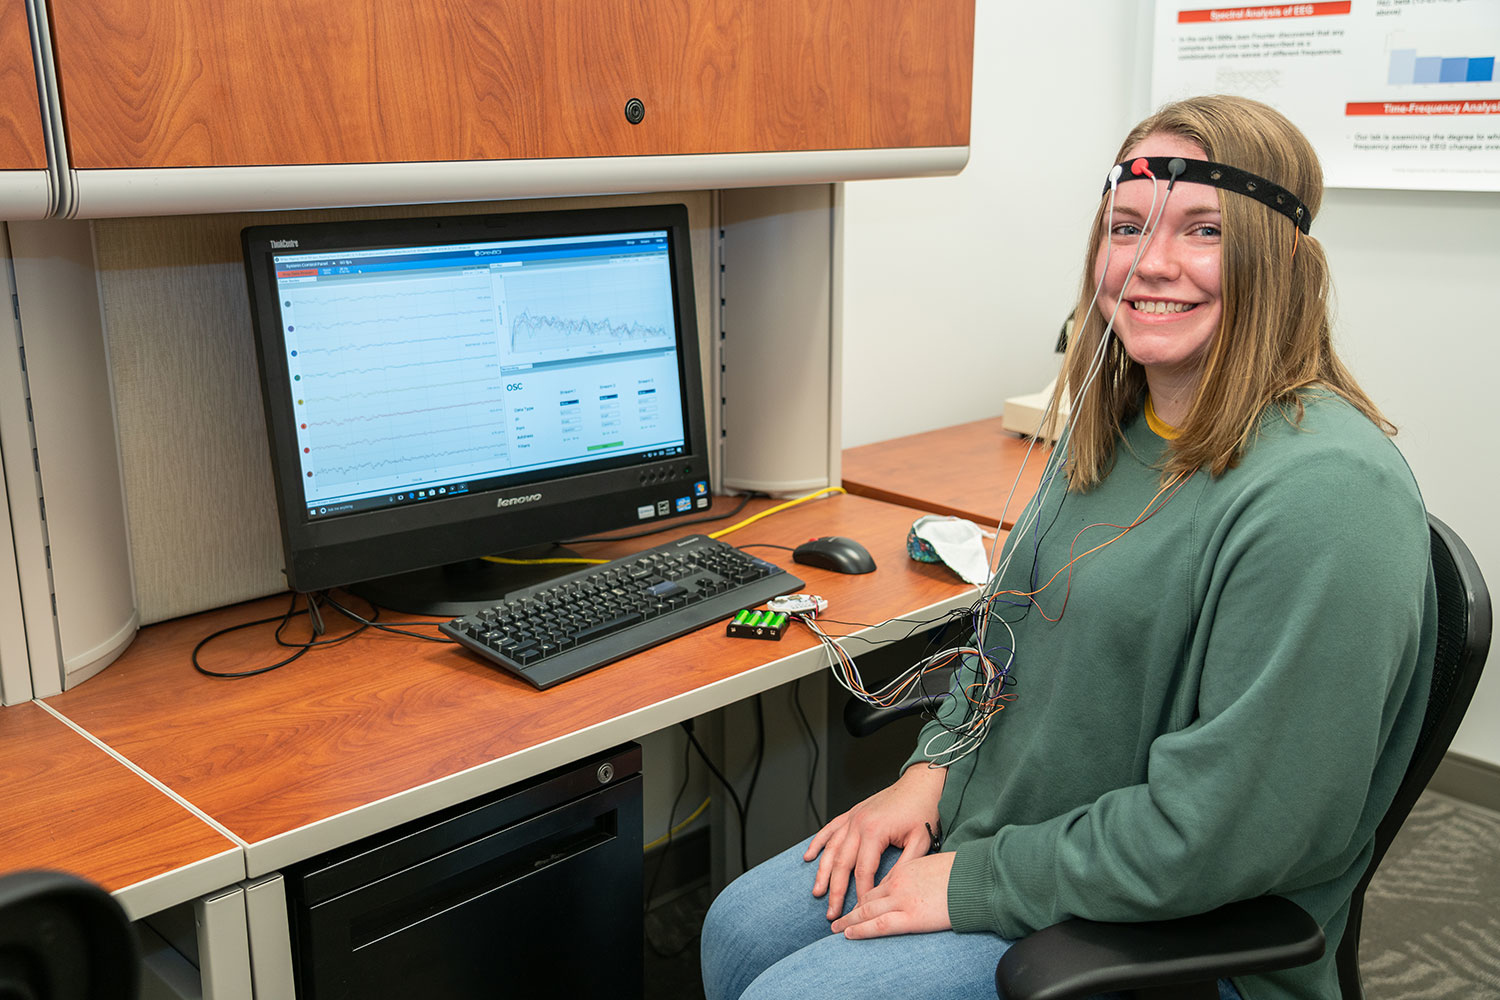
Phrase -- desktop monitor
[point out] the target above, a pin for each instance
(438, 390)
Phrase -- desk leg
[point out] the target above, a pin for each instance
(270, 938)
(235, 946)
(224, 945)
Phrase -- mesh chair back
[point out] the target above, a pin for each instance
(1463, 642)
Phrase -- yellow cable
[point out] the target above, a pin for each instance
(678, 828)
(777, 508)
(722, 531)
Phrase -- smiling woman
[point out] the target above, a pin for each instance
(1259, 331)
(1219, 633)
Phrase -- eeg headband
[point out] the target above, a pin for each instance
(1219, 175)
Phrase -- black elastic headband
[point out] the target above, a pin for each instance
(1219, 175)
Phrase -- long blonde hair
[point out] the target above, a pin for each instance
(1274, 333)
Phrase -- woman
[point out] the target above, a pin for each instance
(1217, 637)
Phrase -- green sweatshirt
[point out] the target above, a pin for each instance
(1228, 703)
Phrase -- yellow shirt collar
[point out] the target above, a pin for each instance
(1159, 427)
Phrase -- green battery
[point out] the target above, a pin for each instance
(748, 624)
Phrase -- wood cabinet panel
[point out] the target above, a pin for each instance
(22, 146)
(157, 83)
(383, 714)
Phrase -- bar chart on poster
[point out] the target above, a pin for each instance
(1392, 93)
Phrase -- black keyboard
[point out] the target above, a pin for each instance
(572, 624)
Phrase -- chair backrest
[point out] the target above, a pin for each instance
(65, 938)
(1463, 641)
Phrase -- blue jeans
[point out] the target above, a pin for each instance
(766, 937)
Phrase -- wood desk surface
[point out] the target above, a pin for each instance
(71, 806)
(357, 737)
(965, 470)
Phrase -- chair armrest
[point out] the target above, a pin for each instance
(1079, 958)
(861, 718)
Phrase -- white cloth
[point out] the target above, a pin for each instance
(960, 544)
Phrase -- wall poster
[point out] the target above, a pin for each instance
(1392, 93)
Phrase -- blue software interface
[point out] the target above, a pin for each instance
(423, 372)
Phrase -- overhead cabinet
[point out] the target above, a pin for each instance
(239, 83)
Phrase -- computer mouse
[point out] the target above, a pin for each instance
(835, 552)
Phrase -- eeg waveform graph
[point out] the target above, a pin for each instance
(394, 383)
(606, 308)
(554, 333)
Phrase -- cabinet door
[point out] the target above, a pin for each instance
(169, 83)
(21, 144)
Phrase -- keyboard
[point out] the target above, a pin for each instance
(570, 625)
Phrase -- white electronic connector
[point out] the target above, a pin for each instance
(796, 604)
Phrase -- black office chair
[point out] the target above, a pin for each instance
(65, 938)
(1183, 959)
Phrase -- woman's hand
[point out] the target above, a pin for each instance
(853, 842)
(911, 899)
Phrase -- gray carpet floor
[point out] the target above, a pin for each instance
(1431, 925)
(1432, 912)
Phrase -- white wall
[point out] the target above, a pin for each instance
(955, 288)
(1415, 274)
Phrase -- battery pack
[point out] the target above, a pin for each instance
(749, 624)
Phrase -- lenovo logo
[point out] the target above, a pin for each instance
(512, 501)
(283, 244)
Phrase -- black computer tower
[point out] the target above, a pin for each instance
(534, 891)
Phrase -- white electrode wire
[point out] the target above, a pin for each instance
(1054, 460)
(1095, 364)
(995, 544)
(846, 671)
(968, 737)
(987, 691)
(1033, 512)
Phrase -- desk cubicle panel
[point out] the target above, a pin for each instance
(383, 729)
(195, 470)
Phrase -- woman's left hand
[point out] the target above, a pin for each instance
(911, 899)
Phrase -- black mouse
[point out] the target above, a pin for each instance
(835, 552)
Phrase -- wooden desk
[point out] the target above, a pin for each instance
(72, 806)
(965, 470)
(356, 738)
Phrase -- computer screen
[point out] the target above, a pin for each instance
(443, 389)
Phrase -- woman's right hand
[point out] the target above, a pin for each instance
(854, 841)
